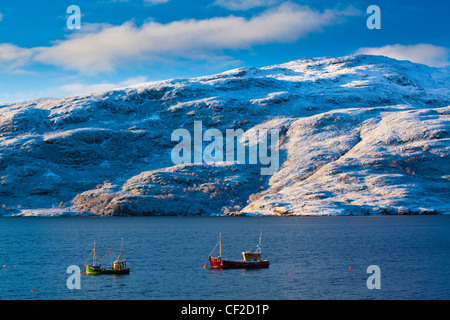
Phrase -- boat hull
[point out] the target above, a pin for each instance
(98, 270)
(218, 263)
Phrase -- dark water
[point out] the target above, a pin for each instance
(310, 257)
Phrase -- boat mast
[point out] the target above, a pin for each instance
(259, 247)
(93, 260)
(220, 245)
(121, 250)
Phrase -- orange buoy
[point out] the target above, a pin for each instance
(32, 290)
(204, 267)
(349, 268)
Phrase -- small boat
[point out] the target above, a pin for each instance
(250, 259)
(119, 266)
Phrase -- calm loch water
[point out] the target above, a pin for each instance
(311, 257)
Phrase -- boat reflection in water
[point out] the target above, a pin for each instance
(250, 259)
(119, 266)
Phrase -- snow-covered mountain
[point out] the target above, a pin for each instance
(358, 135)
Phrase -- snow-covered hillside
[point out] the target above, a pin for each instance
(358, 135)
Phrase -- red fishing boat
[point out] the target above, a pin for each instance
(250, 259)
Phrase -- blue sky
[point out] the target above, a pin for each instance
(124, 42)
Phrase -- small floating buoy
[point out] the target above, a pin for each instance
(349, 268)
(204, 267)
(79, 288)
(32, 290)
(4, 266)
(290, 274)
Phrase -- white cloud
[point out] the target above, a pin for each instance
(428, 54)
(117, 45)
(13, 57)
(244, 4)
(151, 2)
(106, 47)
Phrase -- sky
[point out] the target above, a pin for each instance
(125, 42)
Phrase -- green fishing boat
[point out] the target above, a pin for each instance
(119, 266)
